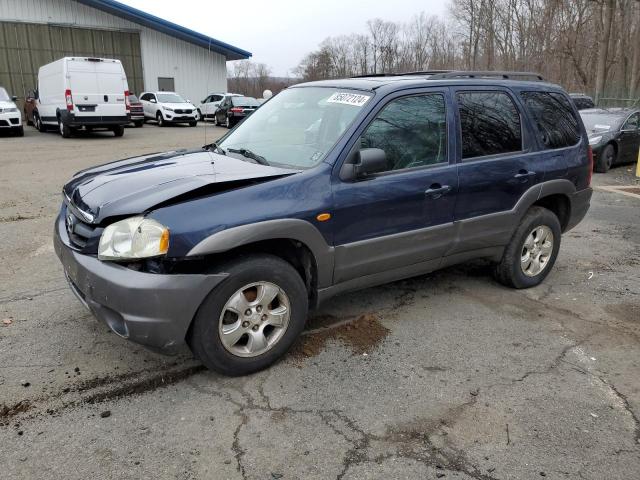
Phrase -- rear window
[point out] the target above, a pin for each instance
(244, 101)
(554, 119)
(490, 124)
(133, 98)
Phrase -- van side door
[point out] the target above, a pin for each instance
(398, 222)
(497, 165)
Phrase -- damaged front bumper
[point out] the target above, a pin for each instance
(154, 310)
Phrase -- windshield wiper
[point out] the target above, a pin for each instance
(215, 147)
(249, 154)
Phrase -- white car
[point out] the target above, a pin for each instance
(168, 107)
(209, 106)
(10, 116)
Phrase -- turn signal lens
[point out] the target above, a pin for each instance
(323, 217)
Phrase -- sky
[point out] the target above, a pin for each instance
(281, 32)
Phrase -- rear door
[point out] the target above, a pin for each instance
(497, 164)
(97, 87)
(398, 222)
(630, 139)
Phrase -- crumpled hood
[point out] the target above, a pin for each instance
(136, 185)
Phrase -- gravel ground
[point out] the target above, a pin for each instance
(448, 375)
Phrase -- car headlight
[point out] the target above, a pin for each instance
(595, 140)
(10, 110)
(167, 109)
(133, 238)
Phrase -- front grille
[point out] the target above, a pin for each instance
(79, 232)
(183, 111)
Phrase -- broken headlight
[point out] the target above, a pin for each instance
(133, 238)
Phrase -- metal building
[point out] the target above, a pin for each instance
(156, 54)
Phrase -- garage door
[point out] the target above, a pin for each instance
(25, 47)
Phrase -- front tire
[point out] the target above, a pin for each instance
(160, 119)
(41, 127)
(193, 124)
(532, 251)
(251, 319)
(606, 159)
(19, 131)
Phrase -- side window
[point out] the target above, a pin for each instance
(216, 98)
(411, 130)
(145, 97)
(208, 99)
(633, 123)
(490, 124)
(555, 121)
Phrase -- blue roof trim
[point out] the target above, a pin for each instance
(156, 23)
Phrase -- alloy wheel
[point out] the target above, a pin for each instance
(254, 319)
(536, 251)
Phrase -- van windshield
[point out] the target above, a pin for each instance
(298, 127)
(170, 98)
(4, 96)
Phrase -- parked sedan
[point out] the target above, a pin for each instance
(209, 106)
(614, 135)
(136, 111)
(168, 107)
(582, 101)
(235, 109)
(10, 118)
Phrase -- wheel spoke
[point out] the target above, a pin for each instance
(529, 242)
(546, 248)
(238, 303)
(232, 333)
(277, 316)
(535, 266)
(257, 341)
(266, 293)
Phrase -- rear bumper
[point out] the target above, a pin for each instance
(93, 120)
(150, 309)
(580, 203)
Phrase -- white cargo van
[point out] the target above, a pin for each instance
(81, 92)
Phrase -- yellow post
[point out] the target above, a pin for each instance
(638, 165)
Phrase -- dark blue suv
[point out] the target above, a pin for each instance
(330, 186)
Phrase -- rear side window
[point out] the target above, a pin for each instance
(490, 124)
(633, 123)
(554, 119)
(412, 131)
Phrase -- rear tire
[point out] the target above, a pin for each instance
(138, 123)
(64, 129)
(537, 239)
(606, 159)
(41, 127)
(215, 120)
(228, 123)
(288, 307)
(118, 131)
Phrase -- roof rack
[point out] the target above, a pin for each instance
(489, 74)
(402, 74)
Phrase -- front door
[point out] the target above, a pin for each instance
(630, 139)
(399, 220)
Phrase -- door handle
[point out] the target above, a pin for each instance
(436, 190)
(524, 175)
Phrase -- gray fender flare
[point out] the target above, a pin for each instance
(288, 228)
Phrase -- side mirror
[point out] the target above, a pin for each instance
(14, 98)
(363, 163)
(153, 100)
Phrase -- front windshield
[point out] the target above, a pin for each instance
(299, 126)
(600, 123)
(4, 96)
(170, 98)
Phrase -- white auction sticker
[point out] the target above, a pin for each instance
(354, 99)
(602, 127)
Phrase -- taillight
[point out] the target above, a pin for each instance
(237, 110)
(590, 156)
(127, 102)
(69, 99)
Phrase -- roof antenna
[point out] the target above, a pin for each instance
(203, 118)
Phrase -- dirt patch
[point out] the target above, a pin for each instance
(16, 218)
(8, 411)
(625, 312)
(635, 190)
(361, 335)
